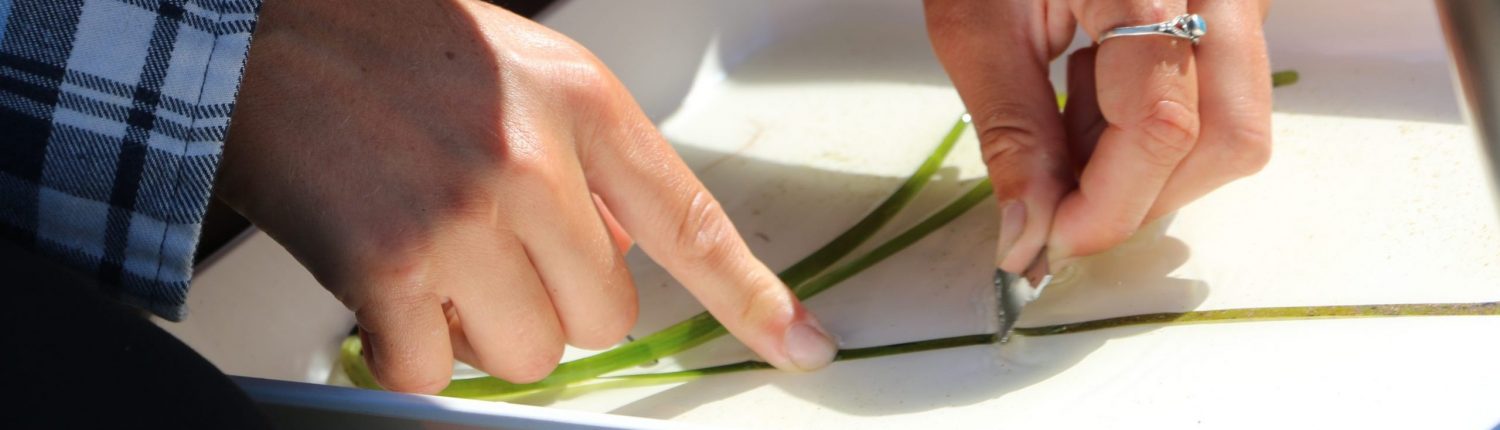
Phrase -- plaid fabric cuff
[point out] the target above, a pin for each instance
(112, 123)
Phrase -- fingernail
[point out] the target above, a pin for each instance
(1012, 223)
(808, 346)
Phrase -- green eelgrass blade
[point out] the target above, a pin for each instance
(845, 243)
(976, 194)
(1238, 315)
(1166, 318)
(1284, 78)
(1271, 314)
(703, 327)
(649, 379)
(492, 388)
(843, 355)
(354, 365)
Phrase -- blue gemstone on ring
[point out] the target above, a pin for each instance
(1194, 26)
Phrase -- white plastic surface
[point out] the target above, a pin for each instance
(801, 115)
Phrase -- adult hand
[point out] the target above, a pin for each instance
(443, 167)
(1152, 123)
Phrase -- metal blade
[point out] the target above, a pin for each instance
(1014, 291)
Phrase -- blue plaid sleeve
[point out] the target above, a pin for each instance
(112, 122)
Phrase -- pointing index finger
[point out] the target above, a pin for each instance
(676, 221)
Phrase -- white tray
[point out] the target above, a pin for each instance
(801, 115)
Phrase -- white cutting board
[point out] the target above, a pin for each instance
(802, 115)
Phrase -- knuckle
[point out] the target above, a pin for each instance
(540, 177)
(580, 77)
(1171, 130)
(1003, 145)
(703, 236)
(515, 145)
(1008, 132)
(589, 76)
(549, 180)
(761, 307)
(405, 298)
(395, 279)
(527, 163)
(574, 80)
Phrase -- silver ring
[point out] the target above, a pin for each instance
(1185, 26)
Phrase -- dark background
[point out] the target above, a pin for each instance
(221, 224)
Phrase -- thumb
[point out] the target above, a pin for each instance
(991, 52)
